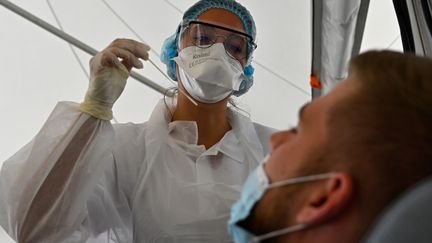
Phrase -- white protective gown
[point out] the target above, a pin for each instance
(147, 182)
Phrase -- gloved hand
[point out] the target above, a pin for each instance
(108, 75)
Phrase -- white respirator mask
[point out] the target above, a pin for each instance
(209, 75)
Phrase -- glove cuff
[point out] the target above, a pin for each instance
(97, 109)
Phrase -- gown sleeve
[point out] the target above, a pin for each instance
(63, 185)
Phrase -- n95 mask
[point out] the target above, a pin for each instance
(209, 75)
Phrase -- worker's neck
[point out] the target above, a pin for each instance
(211, 119)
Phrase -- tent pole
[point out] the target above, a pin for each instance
(77, 43)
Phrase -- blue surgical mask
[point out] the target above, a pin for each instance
(253, 190)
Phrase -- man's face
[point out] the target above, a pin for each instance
(293, 152)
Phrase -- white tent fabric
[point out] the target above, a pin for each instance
(338, 31)
(38, 69)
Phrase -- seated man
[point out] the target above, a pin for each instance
(354, 151)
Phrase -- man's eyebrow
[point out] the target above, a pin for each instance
(301, 111)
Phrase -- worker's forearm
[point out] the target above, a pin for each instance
(50, 192)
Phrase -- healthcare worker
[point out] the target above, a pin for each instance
(170, 179)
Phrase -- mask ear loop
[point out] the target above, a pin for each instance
(303, 179)
(273, 234)
(293, 228)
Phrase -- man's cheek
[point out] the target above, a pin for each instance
(275, 167)
(282, 163)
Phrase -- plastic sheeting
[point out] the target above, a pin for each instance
(338, 31)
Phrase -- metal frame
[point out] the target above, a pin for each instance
(77, 43)
(415, 22)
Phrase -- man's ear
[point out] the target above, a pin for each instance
(327, 199)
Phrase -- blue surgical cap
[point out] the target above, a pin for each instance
(170, 45)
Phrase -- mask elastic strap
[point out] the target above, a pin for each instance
(272, 234)
(294, 228)
(301, 180)
(166, 76)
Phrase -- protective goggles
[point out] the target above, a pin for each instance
(237, 44)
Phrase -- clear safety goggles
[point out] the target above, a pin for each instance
(238, 45)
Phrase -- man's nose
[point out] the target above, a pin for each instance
(280, 138)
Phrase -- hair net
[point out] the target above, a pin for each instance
(170, 46)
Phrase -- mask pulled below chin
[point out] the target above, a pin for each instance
(253, 190)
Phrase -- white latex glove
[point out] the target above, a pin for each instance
(108, 75)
